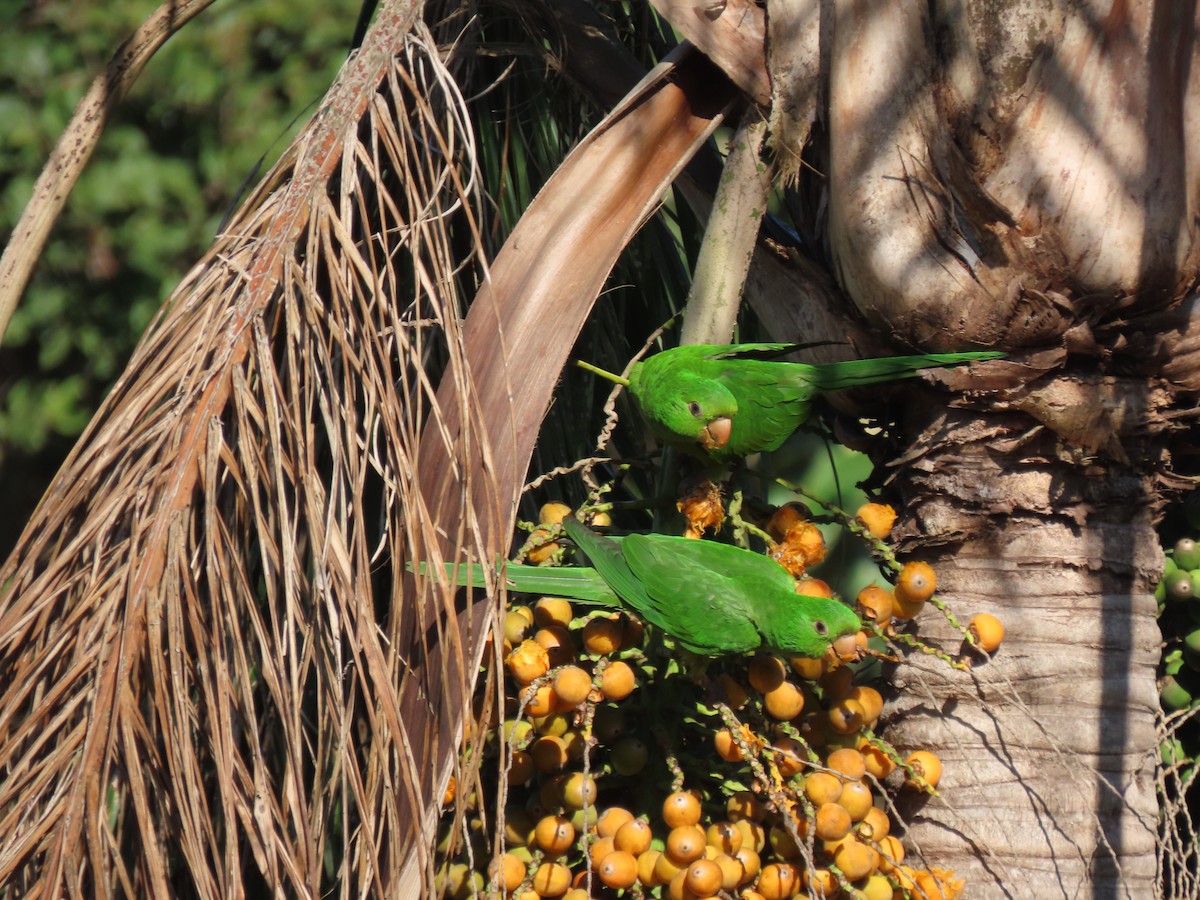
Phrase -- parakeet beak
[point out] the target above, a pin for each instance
(716, 433)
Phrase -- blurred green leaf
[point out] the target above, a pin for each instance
(226, 92)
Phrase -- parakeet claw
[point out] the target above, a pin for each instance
(716, 433)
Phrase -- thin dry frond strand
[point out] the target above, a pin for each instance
(196, 695)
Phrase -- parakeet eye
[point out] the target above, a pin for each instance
(820, 628)
(694, 408)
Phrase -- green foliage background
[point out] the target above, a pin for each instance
(214, 107)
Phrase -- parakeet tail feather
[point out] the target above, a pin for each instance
(858, 372)
(584, 585)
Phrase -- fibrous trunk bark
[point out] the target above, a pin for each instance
(1049, 747)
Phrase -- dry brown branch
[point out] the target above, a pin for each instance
(732, 33)
(74, 148)
(196, 695)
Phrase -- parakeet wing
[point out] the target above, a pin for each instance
(744, 567)
(774, 398)
(699, 603)
(770, 408)
(851, 372)
(752, 351)
(607, 559)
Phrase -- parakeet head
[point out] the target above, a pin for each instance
(807, 626)
(683, 408)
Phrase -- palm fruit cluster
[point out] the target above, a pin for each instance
(1179, 688)
(627, 771)
(1178, 596)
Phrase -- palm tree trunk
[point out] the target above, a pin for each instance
(1049, 748)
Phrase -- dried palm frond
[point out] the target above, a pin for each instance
(195, 695)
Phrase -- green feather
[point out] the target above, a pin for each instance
(679, 392)
(691, 601)
(712, 598)
(581, 584)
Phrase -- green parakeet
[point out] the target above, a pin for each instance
(727, 401)
(712, 598)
